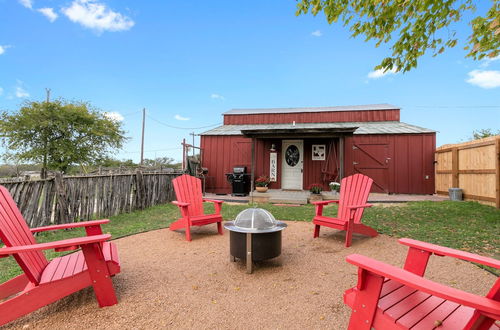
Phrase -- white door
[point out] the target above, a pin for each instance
(293, 163)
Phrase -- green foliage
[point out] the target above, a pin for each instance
(417, 26)
(161, 161)
(58, 134)
(484, 133)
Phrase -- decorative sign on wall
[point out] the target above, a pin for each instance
(318, 151)
(273, 167)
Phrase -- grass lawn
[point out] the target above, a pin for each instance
(467, 226)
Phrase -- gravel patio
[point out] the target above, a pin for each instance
(168, 282)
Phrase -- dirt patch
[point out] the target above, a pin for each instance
(168, 282)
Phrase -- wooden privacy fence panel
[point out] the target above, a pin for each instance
(472, 166)
(76, 198)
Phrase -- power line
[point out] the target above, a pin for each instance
(137, 152)
(177, 127)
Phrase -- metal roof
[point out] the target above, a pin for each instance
(379, 127)
(366, 107)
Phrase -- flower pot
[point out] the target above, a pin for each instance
(261, 189)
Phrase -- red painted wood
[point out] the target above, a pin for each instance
(410, 169)
(416, 261)
(313, 117)
(44, 282)
(441, 250)
(365, 303)
(419, 311)
(13, 286)
(420, 303)
(15, 232)
(93, 223)
(51, 291)
(99, 275)
(190, 202)
(353, 196)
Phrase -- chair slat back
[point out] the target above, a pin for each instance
(15, 232)
(188, 190)
(354, 190)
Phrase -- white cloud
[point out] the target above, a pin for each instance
(116, 116)
(380, 73)
(179, 117)
(487, 61)
(96, 16)
(317, 33)
(484, 78)
(217, 96)
(21, 92)
(26, 3)
(49, 13)
(1, 91)
(3, 48)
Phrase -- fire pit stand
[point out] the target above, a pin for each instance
(255, 235)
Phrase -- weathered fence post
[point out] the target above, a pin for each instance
(140, 188)
(62, 214)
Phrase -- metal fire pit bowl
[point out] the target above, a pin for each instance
(255, 235)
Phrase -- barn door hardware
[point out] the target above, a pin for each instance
(354, 147)
(355, 163)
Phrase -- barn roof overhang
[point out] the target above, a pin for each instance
(297, 132)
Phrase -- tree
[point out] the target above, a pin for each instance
(159, 161)
(58, 134)
(416, 25)
(484, 133)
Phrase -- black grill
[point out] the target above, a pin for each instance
(239, 181)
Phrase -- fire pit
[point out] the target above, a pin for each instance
(255, 235)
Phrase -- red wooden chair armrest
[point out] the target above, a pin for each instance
(324, 202)
(55, 245)
(402, 276)
(180, 204)
(445, 251)
(359, 206)
(213, 201)
(70, 225)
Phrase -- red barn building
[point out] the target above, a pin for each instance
(301, 146)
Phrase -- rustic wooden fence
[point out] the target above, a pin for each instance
(472, 166)
(76, 198)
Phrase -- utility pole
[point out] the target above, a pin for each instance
(142, 140)
(48, 94)
(192, 133)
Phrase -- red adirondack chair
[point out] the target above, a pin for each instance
(190, 202)
(43, 281)
(388, 297)
(354, 193)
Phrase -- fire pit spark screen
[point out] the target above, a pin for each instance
(255, 235)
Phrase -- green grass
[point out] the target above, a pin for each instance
(467, 226)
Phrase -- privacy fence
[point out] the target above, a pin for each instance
(75, 198)
(472, 166)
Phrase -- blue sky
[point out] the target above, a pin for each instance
(187, 62)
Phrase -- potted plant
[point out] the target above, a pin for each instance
(261, 183)
(315, 190)
(334, 187)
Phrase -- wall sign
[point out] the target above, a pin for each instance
(273, 167)
(318, 152)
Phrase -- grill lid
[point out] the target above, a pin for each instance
(255, 220)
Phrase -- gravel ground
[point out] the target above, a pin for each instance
(170, 283)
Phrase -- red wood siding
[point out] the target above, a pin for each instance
(220, 155)
(313, 117)
(410, 169)
(411, 160)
